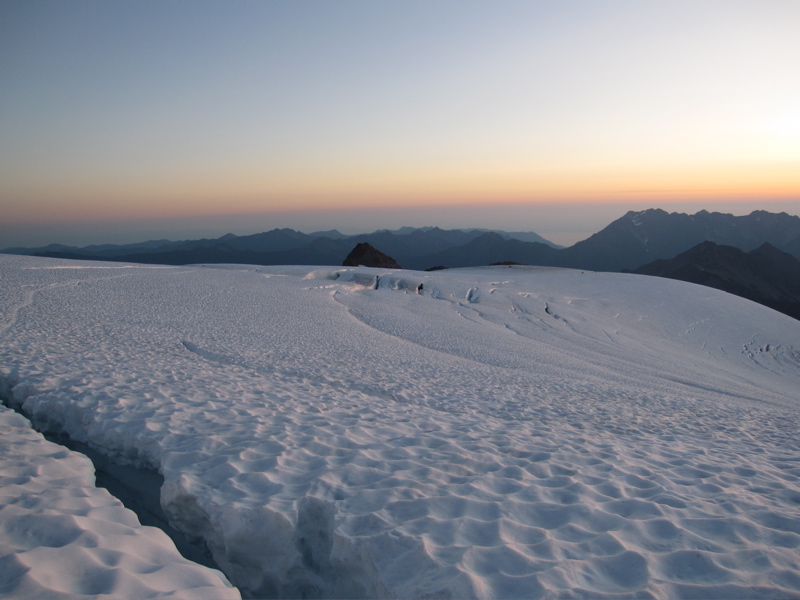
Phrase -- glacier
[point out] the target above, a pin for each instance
(497, 432)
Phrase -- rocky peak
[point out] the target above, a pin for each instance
(366, 255)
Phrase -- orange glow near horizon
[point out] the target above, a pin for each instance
(207, 196)
(527, 104)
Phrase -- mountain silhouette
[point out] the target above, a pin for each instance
(633, 240)
(641, 237)
(367, 255)
(765, 275)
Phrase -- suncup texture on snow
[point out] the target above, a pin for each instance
(61, 537)
(505, 432)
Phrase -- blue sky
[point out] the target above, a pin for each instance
(171, 119)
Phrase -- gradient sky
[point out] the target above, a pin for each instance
(122, 121)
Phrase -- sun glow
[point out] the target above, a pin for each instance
(273, 108)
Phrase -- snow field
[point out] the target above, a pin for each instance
(61, 537)
(496, 433)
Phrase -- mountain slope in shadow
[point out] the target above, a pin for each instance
(765, 275)
(638, 238)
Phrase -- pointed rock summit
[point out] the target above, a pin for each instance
(366, 255)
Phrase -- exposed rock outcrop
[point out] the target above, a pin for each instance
(366, 255)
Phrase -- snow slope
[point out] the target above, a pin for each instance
(477, 433)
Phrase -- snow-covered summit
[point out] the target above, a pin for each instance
(487, 433)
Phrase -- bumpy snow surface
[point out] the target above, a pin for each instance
(477, 433)
(61, 537)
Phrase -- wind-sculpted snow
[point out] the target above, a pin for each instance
(61, 537)
(482, 433)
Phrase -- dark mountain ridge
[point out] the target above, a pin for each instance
(765, 275)
(491, 247)
(642, 237)
(278, 246)
(633, 240)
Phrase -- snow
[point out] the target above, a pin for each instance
(505, 432)
(61, 537)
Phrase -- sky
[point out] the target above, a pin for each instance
(126, 121)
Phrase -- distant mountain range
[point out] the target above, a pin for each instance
(765, 275)
(411, 247)
(642, 237)
(754, 256)
(633, 240)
